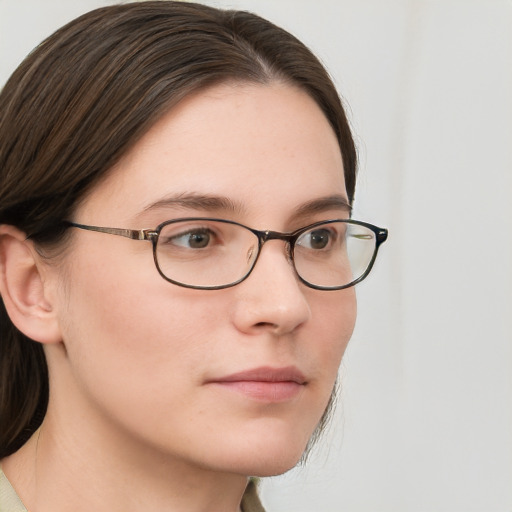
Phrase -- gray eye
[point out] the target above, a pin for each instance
(319, 239)
(196, 239)
(316, 239)
(199, 240)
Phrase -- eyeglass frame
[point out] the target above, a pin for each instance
(152, 235)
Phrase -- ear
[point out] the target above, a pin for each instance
(22, 286)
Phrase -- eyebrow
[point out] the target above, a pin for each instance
(199, 202)
(214, 203)
(323, 204)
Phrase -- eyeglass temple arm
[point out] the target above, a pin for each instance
(134, 234)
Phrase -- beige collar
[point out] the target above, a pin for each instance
(9, 500)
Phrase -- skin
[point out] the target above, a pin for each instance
(134, 412)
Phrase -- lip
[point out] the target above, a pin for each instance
(264, 384)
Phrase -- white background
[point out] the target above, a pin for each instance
(425, 417)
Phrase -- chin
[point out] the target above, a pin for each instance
(275, 468)
(268, 466)
(270, 455)
(269, 446)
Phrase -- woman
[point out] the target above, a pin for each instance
(177, 260)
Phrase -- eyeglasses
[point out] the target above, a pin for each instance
(210, 254)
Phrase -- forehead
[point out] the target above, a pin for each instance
(267, 148)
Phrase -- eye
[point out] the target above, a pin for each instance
(199, 238)
(317, 239)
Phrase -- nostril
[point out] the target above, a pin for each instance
(265, 324)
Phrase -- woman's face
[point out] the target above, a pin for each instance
(183, 371)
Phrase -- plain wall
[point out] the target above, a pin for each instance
(425, 416)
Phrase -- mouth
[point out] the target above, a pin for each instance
(264, 384)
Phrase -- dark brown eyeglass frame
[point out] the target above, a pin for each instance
(381, 235)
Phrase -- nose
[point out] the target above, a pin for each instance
(272, 298)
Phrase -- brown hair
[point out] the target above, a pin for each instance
(84, 96)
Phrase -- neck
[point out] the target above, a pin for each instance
(62, 469)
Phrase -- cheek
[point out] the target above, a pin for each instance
(130, 334)
(334, 316)
(133, 332)
(334, 319)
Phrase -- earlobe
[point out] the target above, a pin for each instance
(22, 286)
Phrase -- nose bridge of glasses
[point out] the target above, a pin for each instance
(275, 235)
(268, 235)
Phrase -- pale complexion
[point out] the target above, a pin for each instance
(136, 420)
